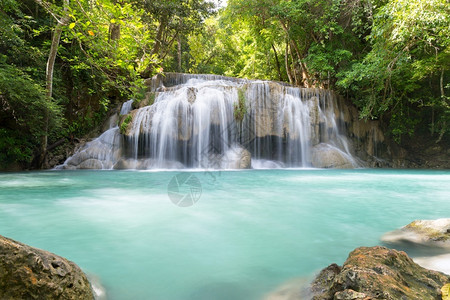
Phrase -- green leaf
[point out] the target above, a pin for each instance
(71, 25)
(113, 21)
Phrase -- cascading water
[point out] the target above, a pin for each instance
(208, 121)
(126, 107)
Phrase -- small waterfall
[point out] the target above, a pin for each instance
(101, 153)
(126, 107)
(209, 121)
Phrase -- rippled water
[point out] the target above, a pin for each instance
(249, 231)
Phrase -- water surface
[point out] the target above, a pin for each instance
(249, 232)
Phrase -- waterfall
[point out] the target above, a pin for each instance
(209, 121)
(126, 107)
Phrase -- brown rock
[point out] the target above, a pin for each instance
(378, 273)
(31, 273)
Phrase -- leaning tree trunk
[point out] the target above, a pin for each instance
(277, 63)
(114, 29)
(179, 54)
(157, 45)
(51, 59)
(286, 62)
(61, 22)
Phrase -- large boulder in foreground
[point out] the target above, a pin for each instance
(30, 273)
(378, 273)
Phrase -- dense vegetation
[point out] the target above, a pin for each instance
(65, 63)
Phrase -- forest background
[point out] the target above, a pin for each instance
(64, 64)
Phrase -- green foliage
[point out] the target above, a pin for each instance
(151, 98)
(240, 108)
(24, 106)
(392, 57)
(170, 22)
(124, 125)
(405, 68)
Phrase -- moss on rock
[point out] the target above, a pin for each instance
(378, 273)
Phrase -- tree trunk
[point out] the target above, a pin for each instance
(304, 70)
(294, 68)
(114, 29)
(157, 46)
(277, 62)
(49, 71)
(114, 32)
(159, 34)
(51, 59)
(305, 75)
(441, 86)
(179, 53)
(286, 62)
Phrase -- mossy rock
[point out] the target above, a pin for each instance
(125, 123)
(378, 273)
(149, 99)
(435, 230)
(425, 232)
(31, 273)
(240, 108)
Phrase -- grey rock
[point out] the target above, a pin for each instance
(245, 161)
(326, 156)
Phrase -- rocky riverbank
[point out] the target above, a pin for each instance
(31, 273)
(378, 273)
(383, 273)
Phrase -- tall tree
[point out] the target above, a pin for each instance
(172, 20)
(61, 21)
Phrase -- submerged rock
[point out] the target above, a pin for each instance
(292, 290)
(31, 273)
(146, 164)
(378, 273)
(434, 233)
(245, 161)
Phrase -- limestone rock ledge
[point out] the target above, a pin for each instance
(31, 273)
(378, 273)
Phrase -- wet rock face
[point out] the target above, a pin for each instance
(30, 273)
(326, 156)
(378, 273)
